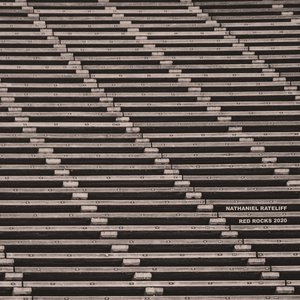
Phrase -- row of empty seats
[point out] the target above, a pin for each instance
(149, 149)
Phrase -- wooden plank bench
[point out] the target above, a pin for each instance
(246, 2)
(272, 231)
(16, 297)
(221, 155)
(120, 4)
(104, 168)
(223, 85)
(150, 27)
(141, 12)
(272, 242)
(101, 136)
(190, 49)
(83, 145)
(141, 273)
(232, 144)
(131, 259)
(227, 135)
(98, 218)
(233, 297)
(193, 95)
(233, 58)
(190, 285)
(162, 42)
(107, 205)
(179, 104)
(64, 245)
(280, 257)
(127, 228)
(122, 17)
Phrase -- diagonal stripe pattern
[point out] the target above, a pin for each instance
(149, 149)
